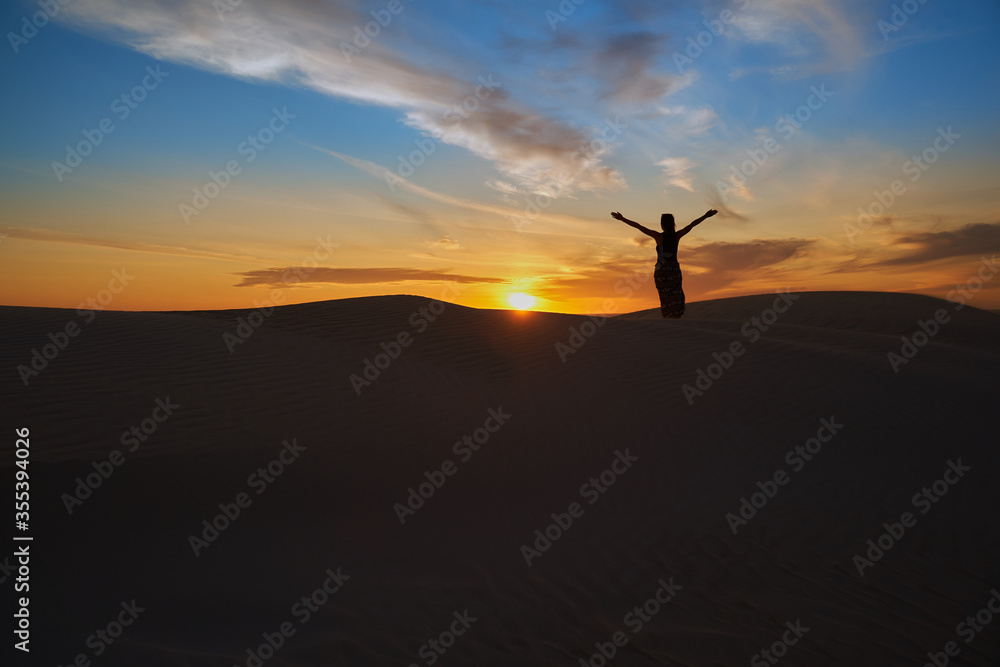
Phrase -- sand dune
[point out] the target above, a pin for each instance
(526, 409)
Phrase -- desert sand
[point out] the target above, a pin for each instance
(505, 427)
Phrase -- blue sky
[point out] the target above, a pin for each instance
(686, 129)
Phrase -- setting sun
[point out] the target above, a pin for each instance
(521, 301)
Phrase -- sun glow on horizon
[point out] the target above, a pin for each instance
(521, 301)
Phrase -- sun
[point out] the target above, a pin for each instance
(521, 301)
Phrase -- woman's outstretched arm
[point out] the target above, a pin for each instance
(697, 222)
(631, 223)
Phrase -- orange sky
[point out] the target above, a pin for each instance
(564, 124)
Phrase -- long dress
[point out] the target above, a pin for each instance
(667, 277)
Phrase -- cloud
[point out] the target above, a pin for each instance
(744, 256)
(538, 153)
(312, 44)
(52, 236)
(504, 187)
(611, 56)
(518, 217)
(690, 121)
(725, 212)
(975, 239)
(815, 35)
(676, 170)
(410, 211)
(626, 67)
(390, 177)
(446, 243)
(295, 276)
(731, 185)
(755, 265)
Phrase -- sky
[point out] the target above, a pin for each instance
(182, 155)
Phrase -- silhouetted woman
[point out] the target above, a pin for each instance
(667, 274)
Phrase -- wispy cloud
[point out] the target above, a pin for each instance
(388, 176)
(751, 255)
(53, 236)
(566, 225)
(676, 170)
(293, 276)
(301, 42)
(814, 35)
(927, 247)
(626, 66)
(446, 243)
(725, 211)
(690, 121)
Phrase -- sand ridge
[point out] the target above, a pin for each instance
(823, 359)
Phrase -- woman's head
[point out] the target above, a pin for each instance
(667, 222)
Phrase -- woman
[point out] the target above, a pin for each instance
(667, 274)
